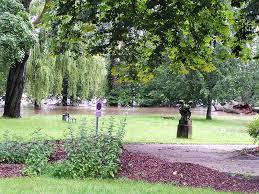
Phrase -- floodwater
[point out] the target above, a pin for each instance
(88, 110)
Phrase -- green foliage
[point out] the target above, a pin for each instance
(39, 73)
(16, 35)
(46, 73)
(33, 154)
(140, 33)
(11, 6)
(165, 89)
(231, 80)
(3, 77)
(86, 75)
(92, 154)
(125, 94)
(13, 151)
(240, 83)
(253, 129)
(38, 155)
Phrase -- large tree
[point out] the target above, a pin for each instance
(16, 39)
(138, 34)
(78, 78)
(39, 74)
(123, 28)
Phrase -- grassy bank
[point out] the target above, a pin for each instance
(146, 129)
(93, 186)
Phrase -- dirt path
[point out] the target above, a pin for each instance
(224, 158)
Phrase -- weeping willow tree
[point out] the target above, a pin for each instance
(80, 78)
(92, 78)
(62, 75)
(40, 75)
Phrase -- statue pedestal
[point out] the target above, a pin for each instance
(184, 130)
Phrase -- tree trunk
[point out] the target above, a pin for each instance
(215, 107)
(37, 105)
(14, 88)
(64, 91)
(26, 4)
(110, 93)
(209, 104)
(15, 82)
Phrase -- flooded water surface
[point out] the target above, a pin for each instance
(88, 110)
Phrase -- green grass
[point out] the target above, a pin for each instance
(145, 129)
(217, 131)
(46, 185)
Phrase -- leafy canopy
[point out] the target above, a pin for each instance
(133, 29)
(16, 36)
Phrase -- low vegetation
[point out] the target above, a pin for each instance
(253, 129)
(90, 153)
(34, 154)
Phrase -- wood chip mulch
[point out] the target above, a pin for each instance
(148, 168)
(10, 170)
(58, 154)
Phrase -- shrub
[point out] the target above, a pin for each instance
(38, 155)
(253, 129)
(92, 154)
(34, 154)
(13, 151)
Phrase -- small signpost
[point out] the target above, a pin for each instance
(98, 114)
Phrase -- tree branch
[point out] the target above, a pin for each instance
(45, 8)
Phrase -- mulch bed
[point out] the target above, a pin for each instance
(148, 168)
(59, 152)
(138, 166)
(10, 170)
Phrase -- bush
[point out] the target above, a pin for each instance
(34, 154)
(253, 129)
(13, 151)
(92, 154)
(38, 155)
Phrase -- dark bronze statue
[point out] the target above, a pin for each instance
(185, 123)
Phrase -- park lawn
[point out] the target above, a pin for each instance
(139, 129)
(90, 186)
